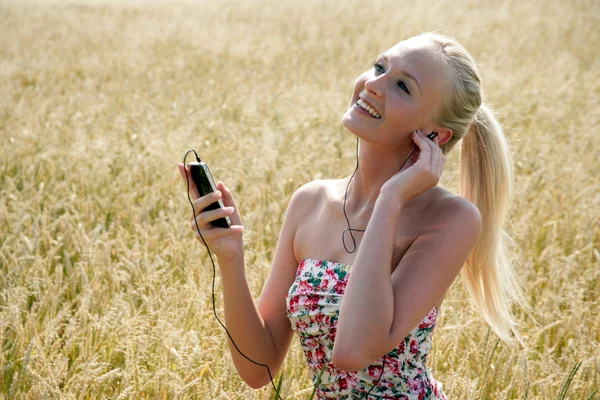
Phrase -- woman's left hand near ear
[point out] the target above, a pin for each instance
(419, 176)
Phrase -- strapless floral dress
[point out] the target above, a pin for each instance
(313, 303)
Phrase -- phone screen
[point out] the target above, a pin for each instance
(202, 182)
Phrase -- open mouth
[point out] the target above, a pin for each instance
(362, 104)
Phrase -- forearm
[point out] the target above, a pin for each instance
(367, 309)
(244, 323)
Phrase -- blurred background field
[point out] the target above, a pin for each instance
(104, 292)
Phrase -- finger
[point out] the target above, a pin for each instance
(437, 154)
(429, 142)
(201, 203)
(181, 169)
(442, 164)
(204, 218)
(437, 157)
(436, 150)
(421, 141)
(229, 201)
(215, 233)
(227, 196)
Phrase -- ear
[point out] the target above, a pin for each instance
(444, 134)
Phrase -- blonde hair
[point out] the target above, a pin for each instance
(486, 176)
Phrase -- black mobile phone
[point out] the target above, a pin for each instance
(205, 184)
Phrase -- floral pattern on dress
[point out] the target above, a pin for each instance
(313, 303)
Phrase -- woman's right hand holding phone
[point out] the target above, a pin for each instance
(225, 243)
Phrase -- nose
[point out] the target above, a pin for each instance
(373, 86)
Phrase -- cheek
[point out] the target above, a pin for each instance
(359, 83)
(402, 111)
(395, 108)
(400, 117)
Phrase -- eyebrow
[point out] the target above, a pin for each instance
(405, 73)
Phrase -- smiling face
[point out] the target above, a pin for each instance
(399, 95)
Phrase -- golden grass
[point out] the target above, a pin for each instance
(104, 291)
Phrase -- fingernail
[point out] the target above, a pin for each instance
(218, 193)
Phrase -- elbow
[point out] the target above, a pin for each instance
(257, 380)
(348, 360)
(346, 367)
(256, 386)
(258, 383)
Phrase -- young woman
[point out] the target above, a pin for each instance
(365, 304)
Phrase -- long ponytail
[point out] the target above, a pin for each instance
(486, 176)
(486, 179)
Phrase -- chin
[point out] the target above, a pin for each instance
(348, 123)
(356, 127)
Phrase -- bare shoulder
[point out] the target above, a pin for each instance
(307, 197)
(311, 191)
(312, 188)
(455, 210)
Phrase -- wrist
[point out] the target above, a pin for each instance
(390, 200)
(234, 258)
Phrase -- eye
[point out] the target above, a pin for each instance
(402, 86)
(378, 67)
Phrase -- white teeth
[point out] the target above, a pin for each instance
(371, 111)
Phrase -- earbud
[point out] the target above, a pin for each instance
(432, 135)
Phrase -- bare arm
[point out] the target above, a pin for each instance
(387, 306)
(263, 333)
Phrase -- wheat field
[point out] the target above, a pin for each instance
(106, 294)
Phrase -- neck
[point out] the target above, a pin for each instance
(376, 165)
